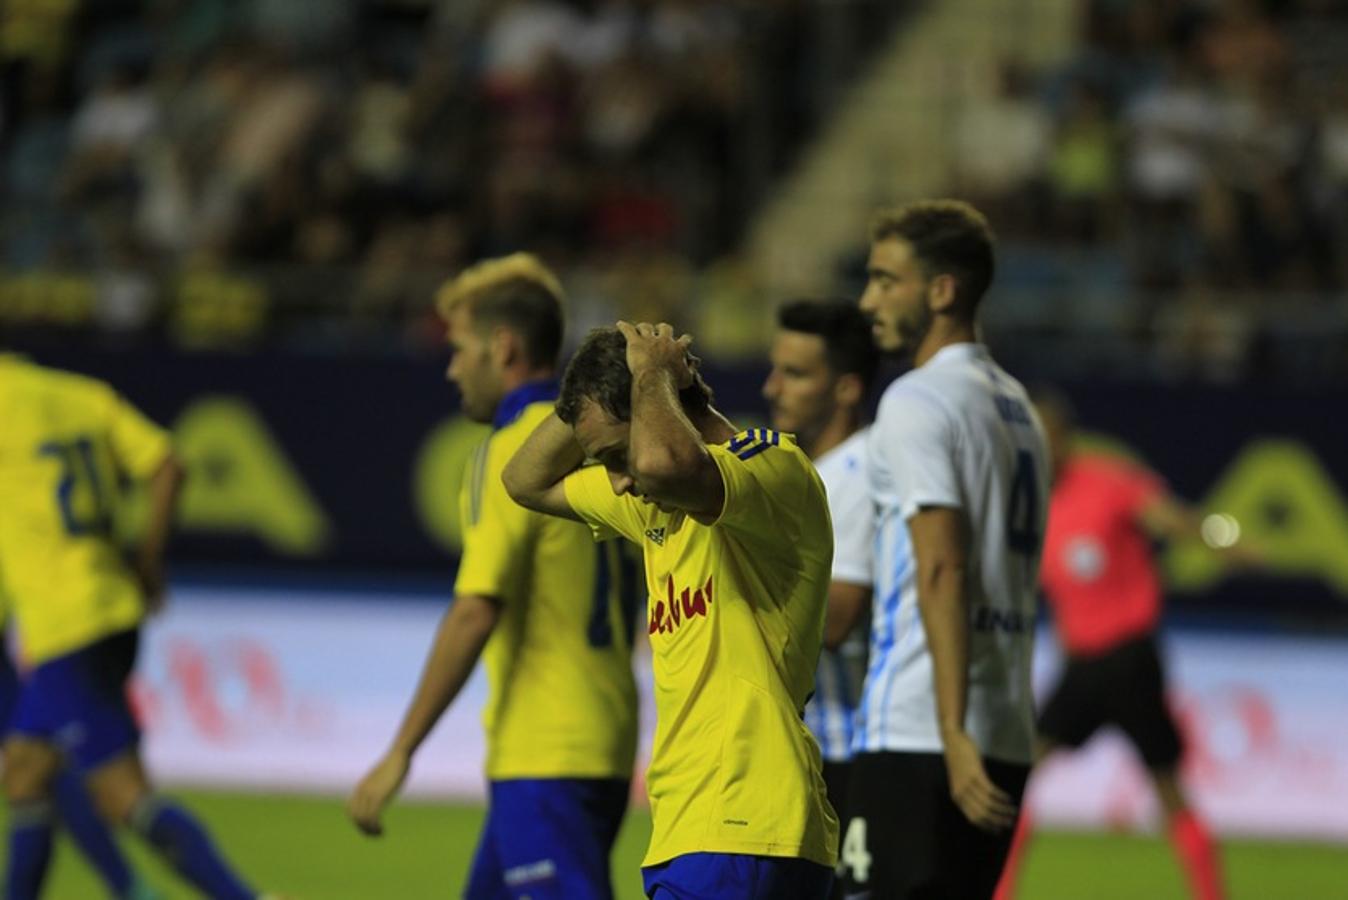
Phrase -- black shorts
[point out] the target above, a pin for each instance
(905, 839)
(1125, 687)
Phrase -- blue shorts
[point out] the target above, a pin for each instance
(548, 837)
(78, 702)
(714, 876)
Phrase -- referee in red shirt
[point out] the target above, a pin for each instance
(1102, 584)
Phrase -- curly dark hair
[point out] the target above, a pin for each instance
(949, 237)
(598, 372)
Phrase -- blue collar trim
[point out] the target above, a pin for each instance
(513, 403)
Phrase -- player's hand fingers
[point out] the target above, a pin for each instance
(365, 813)
(685, 341)
(994, 808)
(627, 329)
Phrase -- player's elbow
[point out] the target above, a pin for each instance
(475, 615)
(523, 489)
(940, 580)
(662, 470)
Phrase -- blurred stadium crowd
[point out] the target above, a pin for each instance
(224, 171)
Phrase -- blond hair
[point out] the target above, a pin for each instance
(492, 275)
(516, 292)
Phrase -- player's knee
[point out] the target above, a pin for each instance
(29, 769)
(118, 790)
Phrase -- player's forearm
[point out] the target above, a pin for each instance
(943, 603)
(847, 603)
(665, 451)
(163, 490)
(548, 455)
(458, 643)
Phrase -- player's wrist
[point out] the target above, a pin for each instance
(951, 731)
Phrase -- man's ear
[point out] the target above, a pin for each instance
(942, 293)
(849, 391)
(504, 346)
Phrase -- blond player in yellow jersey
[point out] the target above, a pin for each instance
(65, 443)
(738, 547)
(543, 606)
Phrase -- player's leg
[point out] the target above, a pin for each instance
(972, 860)
(30, 764)
(1070, 716)
(124, 795)
(561, 835)
(742, 876)
(104, 748)
(90, 833)
(1145, 717)
(889, 847)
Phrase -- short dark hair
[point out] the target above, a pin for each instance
(517, 292)
(845, 329)
(948, 237)
(599, 372)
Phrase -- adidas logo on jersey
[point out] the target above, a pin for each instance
(656, 536)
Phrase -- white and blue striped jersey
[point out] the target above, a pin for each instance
(837, 682)
(956, 432)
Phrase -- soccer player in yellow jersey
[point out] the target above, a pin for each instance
(738, 545)
(65, 443)
(543, 605)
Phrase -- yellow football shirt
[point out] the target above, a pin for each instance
(65, 443)
(562, 699)
(736, 619)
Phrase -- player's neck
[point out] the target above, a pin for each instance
(841, 426)
(945, 331)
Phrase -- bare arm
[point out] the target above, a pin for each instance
(458, 643)
(163, 489)
(847, 603)
(1168, 518)
(667, 457)
(940, 538)
(533, 477)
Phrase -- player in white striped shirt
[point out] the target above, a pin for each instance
(823, 366)
(959, 474)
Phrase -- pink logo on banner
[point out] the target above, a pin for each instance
(223, 691)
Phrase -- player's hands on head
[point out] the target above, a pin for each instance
(654, 347)
(983, 803)
(376, 789)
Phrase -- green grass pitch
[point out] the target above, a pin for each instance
(304, 848)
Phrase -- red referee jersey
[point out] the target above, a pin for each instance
(1098, 572)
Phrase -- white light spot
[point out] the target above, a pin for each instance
(1220, 531)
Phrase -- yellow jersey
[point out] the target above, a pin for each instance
(65, 444)
(736, 620)
(562, 700)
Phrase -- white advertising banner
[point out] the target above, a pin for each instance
(302, 691)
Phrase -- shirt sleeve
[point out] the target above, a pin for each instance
(591, 496)
(498, 533)
(756, 490)
(917, 441)
(849, 504)
(139, 445)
